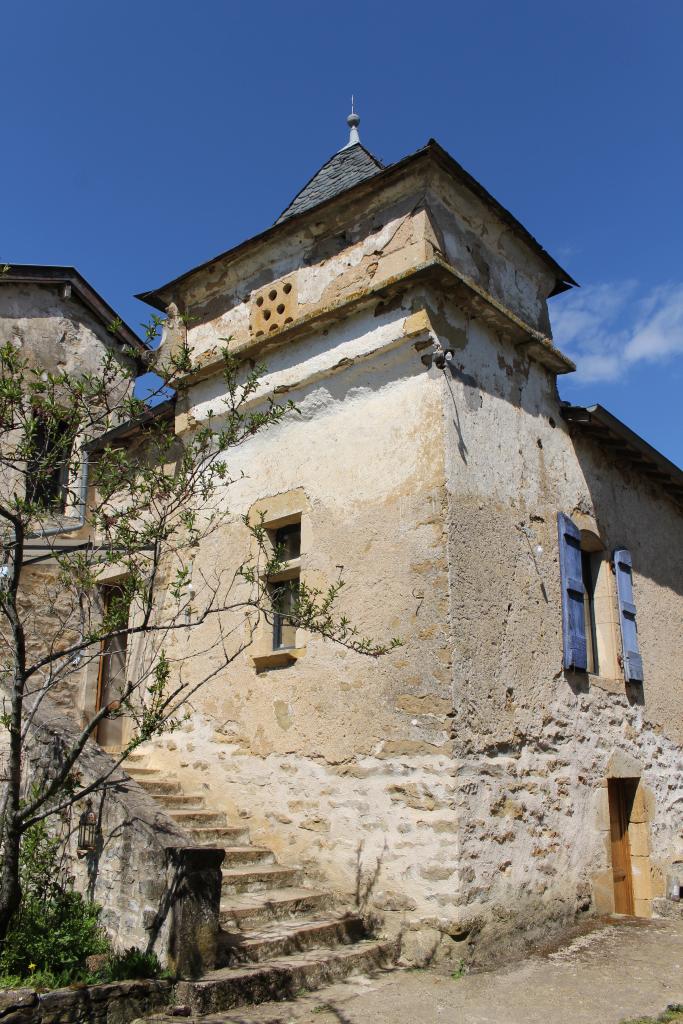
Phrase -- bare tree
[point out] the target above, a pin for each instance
(151, 502)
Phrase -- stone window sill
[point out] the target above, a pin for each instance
(277, 659)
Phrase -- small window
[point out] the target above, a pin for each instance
(112, 667)
(589, 572)
(47, 471)
(288, 541)
(284, 597)
(589, 619)
(283, 586)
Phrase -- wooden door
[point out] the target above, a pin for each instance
(621, 793)
(110, 683)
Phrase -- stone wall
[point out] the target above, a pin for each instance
(157, 890)
(116, 1003)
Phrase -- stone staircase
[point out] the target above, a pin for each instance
(278, 936)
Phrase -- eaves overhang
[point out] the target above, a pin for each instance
(435, 272)
(613, 436)
(164, 411)
(86, 294)
(160, 297)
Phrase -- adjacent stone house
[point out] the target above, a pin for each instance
(518, 759)
(60, 324)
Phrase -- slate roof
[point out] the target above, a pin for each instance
(345, 169)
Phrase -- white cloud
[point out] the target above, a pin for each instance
(609, 328)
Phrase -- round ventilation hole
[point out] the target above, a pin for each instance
(272, 294)
(288, 320)
(287, 288)
(281, 308)
(266, 314)
(259, 301)
(273, 327)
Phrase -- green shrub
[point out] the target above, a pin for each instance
(55, 928)
(132, 963)
(673, 1012)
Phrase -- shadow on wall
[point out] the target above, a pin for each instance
(633, 513)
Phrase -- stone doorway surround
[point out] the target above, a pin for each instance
(622, 766)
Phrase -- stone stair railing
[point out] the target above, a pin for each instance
(278, 936)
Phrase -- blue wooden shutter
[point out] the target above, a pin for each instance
(633, 663)
(573, 621)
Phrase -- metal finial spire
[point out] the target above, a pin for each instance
(353, 121)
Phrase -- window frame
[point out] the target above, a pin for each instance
(590, 581)
(49, 489)
(287, 579)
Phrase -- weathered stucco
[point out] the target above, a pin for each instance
(52, 329)
(337, 756)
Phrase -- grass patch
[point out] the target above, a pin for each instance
(674, 1012)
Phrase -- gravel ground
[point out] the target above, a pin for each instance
(611, 972)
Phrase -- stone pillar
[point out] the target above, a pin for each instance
(193, 886)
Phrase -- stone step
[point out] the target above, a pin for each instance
(136, 771)
(134, 758)
(247, 855)
(158, 787)
(228, 834)
(257, 878)
(253, 910)
(199, 818)
(180, 801)
(285, 938)
(283, 978)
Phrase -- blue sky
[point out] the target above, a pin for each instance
(141, 138)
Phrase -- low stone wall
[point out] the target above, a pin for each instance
(116, 1003)
(157, 890)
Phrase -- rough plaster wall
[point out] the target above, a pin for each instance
(341, 762)
(350, 266)
(534, 742)
(57, 334)
(485, 248)
(51, 619)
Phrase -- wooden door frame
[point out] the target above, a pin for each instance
(98, 692)
(620, 802)
(106, 588)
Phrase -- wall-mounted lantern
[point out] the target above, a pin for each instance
(87, 831)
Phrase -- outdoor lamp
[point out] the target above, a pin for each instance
(87, 830)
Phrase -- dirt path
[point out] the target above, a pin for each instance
(618, 971)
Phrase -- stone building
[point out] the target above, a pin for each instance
(518, 759)
(60, 324)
